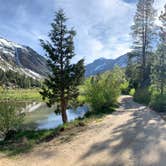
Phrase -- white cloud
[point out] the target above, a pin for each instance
(102, 26)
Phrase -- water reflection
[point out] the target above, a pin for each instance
(39, 116)
(54, 120)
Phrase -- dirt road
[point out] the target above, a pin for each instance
(132, 136)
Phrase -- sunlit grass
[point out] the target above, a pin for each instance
(20, 94)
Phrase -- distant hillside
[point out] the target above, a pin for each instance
(22, 59)
(101, 65)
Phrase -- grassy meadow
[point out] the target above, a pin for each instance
(20, 95)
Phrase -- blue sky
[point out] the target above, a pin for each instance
(103, 26)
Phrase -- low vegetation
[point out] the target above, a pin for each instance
(151, 98)
(142, 95)
(102, 91)
(10, 120)
(23, 141)
(20, 94)
(132, 92)
(158, 102)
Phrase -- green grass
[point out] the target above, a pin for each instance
(20, 94)
(24, 141)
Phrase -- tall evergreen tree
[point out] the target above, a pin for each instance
(61, 86)
(143, 32)
(159, 63)
(131, 74)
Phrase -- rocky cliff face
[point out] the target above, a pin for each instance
(21, 59)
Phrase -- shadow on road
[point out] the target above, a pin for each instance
(140, 139)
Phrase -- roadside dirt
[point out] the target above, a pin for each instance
(132, 136)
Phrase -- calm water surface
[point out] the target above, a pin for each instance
(39, 116)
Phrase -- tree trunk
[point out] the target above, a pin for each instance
(63, 110)
(144, 51)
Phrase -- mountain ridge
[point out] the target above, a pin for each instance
(25, 60)
(22, 59)
(101, 65)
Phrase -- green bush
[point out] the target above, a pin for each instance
(132, 92)
(10, 119)
(125, 88)
(102, 91)
(152, 97)
(142, 96)
(158, 102)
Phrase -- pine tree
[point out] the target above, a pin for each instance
(159, 63)
(61, 86)
(143, 32)
(131, 74)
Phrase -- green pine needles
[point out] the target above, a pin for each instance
(61, 86)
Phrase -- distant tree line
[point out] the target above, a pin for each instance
(14, 79)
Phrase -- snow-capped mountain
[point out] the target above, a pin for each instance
(101, 65)
(25, 60)
(22, 59)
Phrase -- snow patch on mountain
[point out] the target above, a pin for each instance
(21, 59)
(98, 68)
(9, 44)
(101, 65)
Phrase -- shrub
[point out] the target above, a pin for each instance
(124, 88)
(102, 91)
(132, 92)
(158, 102)
(10, 119)
(142, 96)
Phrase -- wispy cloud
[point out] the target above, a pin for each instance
(102, 26)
